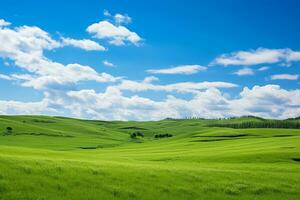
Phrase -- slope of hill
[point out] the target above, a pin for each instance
(62, 158)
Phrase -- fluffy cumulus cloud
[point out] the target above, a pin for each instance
(69, 74)
(122, 19)
(85, 44)
(258, 56)
(25, 46)
(182, 69)
(269, 101)
(4, 23)
(244, 72)
(17, 107)
(285, 77)
(116, 34)
(140, 108)
(23, 40)
(118, 18)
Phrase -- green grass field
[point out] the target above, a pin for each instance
(61, 158)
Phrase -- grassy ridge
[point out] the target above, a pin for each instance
(62, 158)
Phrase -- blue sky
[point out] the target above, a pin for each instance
(147, 60)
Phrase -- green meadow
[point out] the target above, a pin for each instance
(59, 158)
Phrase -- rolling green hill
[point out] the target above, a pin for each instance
(62, 158)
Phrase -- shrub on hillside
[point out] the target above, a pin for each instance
(136, 134)
(8, 130)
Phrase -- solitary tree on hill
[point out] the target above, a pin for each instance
(9, 130)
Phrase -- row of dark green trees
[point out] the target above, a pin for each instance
(260, 124)
(163, 135)
(137, 134)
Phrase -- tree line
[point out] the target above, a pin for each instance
(262, 124)
(163, 135)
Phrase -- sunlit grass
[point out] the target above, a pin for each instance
(99, 160)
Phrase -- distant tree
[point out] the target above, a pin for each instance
(9, 130)
(133, 135)
(136, 134)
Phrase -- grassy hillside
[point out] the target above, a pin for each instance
(62, 158)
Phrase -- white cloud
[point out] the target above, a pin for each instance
(108, 64)
(117, 35)
(25, 40)
(4, 23)
(268, 101)
(85, 44)
(118, 18)
(106, 13)
(244, 72)
(69, 74)
(5, 77)
(292, 56)
(17, 107)
(258, 56)
(122, 19)
(150, 79)
(182, 87)
(264, 68)
(285, 77)
(112, 104)
(25, 46)
(182, 69)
